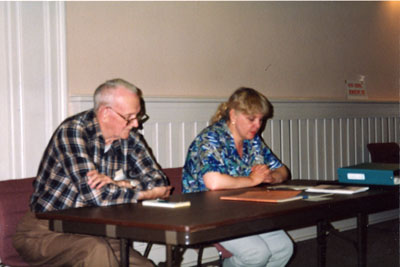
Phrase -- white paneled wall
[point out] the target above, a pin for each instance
(32, 80)
(313, 138)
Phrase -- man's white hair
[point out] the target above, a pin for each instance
(104, 93)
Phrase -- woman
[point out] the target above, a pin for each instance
(230, 154)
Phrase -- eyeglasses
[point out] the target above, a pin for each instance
(141, 118)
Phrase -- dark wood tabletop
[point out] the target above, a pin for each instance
(210, 219)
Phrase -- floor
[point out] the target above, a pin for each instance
(382, 248)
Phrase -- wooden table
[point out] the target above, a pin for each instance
(210, 219)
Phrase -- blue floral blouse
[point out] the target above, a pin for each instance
(213, 150)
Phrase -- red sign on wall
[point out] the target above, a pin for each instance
(356, 89)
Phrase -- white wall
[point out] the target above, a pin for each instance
(32, 82)
(285, 49)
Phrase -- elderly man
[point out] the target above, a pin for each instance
(93, 159)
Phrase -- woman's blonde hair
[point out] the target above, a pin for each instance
(245, 100)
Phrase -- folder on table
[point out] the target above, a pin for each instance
(272, 196)
(370, 173)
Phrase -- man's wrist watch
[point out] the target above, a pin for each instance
(134, 183)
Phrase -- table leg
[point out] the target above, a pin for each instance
(362, 224)
(322, 227)
(124, 247)
(169, 255)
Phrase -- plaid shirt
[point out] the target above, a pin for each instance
(76, 147)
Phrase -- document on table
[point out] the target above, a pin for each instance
(309, 196)
(288, 187)
(337, 189)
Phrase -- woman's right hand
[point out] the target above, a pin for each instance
(218, 181)
(260, 173)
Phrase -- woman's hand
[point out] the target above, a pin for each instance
(218, 181)
(261, 174)
(275, 176)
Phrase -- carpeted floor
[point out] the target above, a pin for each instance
(382, 249)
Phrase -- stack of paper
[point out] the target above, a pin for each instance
(337, 189)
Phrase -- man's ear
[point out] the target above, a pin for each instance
(102, 113)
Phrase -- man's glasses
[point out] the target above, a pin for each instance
(140, 117)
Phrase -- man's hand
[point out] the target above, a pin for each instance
(156, 192)
(98, 180)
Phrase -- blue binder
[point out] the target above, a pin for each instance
(370, 173)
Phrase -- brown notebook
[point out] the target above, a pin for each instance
(273, 196)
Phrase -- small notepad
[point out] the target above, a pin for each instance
(162, 203)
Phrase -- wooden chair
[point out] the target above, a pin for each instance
(222, 253)
(384, 152)
(174, 176)
(14, 203)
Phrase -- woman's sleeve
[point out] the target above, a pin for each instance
(269, 158)
(208, 154)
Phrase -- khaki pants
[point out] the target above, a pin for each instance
(39, 246)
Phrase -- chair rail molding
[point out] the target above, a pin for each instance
(33, 82)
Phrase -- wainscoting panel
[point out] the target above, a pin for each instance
(313, 138)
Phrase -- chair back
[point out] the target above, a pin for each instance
(174, 176)
(14, 203)
(384, 152)
(223, 252)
